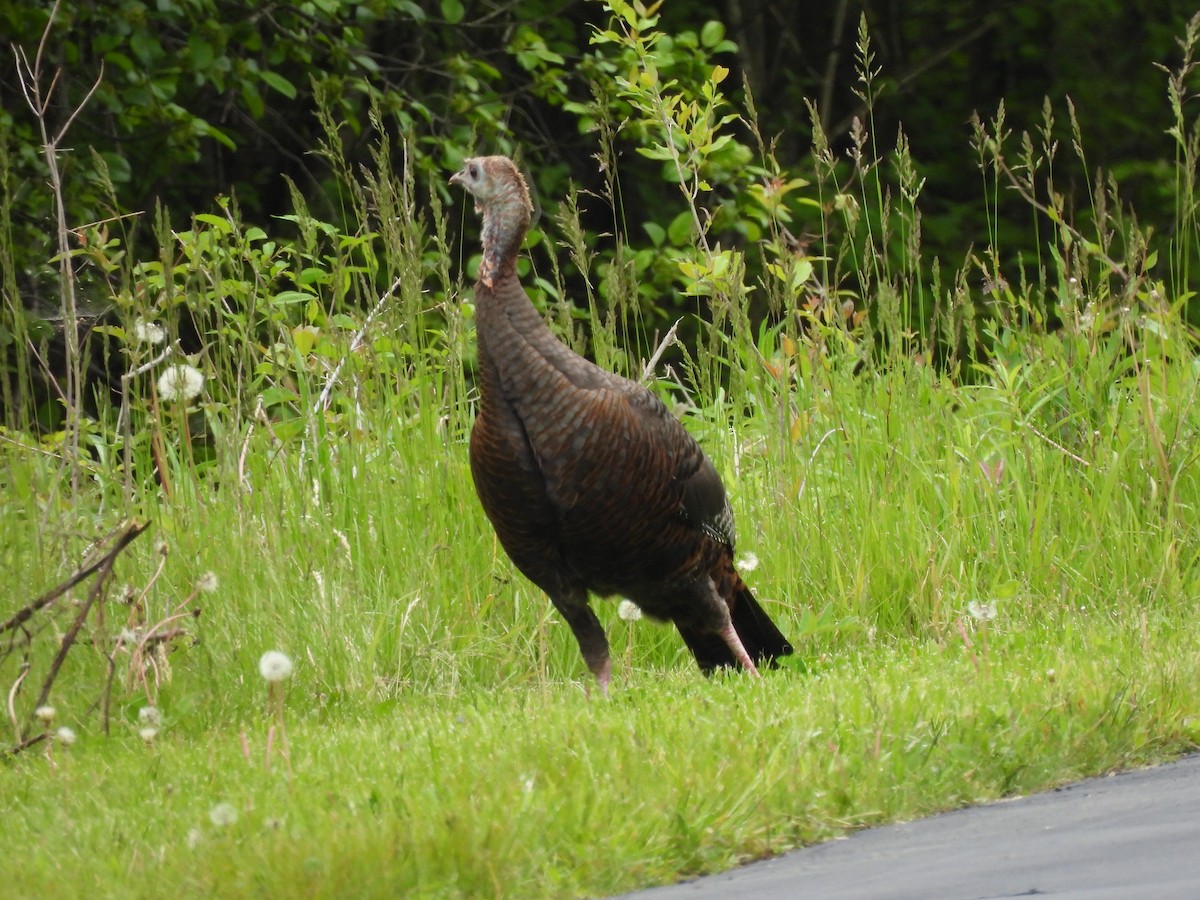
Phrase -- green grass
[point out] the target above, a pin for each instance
(988, 567)
(524, 792)
(440, 742)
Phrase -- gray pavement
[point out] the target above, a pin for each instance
(1136, 834)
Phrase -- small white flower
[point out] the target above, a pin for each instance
(748, 563)
(984, 612)
(65, 735)
(207, 583)
(45, 714)
(180, 382)
(149, 715)
(629, 611)
(275, 666)
(223, 815)
(148, 734)
(149, 332)
(527, 784)
(194, 837)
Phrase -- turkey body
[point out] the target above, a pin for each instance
(589, 482)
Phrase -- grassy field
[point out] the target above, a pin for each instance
(987, 560)
(991, 589)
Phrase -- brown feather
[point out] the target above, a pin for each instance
(590, 483)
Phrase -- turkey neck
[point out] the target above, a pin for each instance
(505, 221)
(522, 364)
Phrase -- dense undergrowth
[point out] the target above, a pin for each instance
(978, 526)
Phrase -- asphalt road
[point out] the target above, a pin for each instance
(1131, 835)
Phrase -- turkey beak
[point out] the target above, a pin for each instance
(457, 177)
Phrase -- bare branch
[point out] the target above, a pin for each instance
(323, 400)
(62, 132)
(103, 569)
(667, 341)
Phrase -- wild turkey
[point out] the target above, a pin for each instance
(590, 483)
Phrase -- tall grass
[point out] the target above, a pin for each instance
(988, 565)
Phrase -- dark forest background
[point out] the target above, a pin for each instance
(200, 99)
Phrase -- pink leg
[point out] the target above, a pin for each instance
(603, 673)
(731, 639)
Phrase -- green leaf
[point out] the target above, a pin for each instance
(287, 297)
(279, 83)
(205, 128)
(253, 100)
(658, 152)
(144, 46)
(453, 11)
(305, 338)
(201, 52)
(220, 224)
(712, 33)
(278, 396)
(680, 229)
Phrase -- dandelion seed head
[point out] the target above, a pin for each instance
(194, 837)
(45, 714)
(180, 382)
(150, 715)
(148, 332)
(65, 736)
(275, 666)
(748, 563)
(223, 815)
(148, 734)
(629, 611)
(983, 612)
(207, 583)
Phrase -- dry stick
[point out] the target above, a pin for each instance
(53, 594)
(812, 458)
(323, 400)
(105, 700)
(667, 341)
(125, 420)
(12, 700)
(138, 655)
(30, 741)
(30, 78)
(132, 530)
(1057, 446)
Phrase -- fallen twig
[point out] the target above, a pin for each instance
(132, 530)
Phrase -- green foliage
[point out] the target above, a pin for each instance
(972, 508)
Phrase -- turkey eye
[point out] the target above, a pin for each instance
(473, 171)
